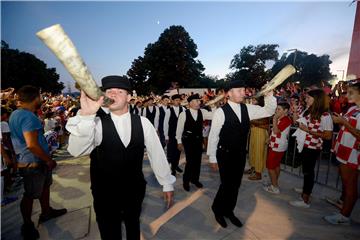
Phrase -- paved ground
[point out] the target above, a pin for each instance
(265, 216)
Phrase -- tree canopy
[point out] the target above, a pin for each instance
(311, 69)
(22, 68)
(172, 58)
(250, 64)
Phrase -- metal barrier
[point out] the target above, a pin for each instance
(326, 169)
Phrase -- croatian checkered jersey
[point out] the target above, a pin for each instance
(346, 145)
(279, 141)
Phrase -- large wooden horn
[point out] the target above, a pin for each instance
(279, 78)
(60, 44)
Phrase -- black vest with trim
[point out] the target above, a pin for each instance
(161, 119)
(233, 134)
(193, 129)
(114, 160)
(173, 122)
(150, 115)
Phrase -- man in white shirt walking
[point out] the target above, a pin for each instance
(227, 147)
(162, 110)
(170, 124)
(189, 138)
(151, 112)
(118, 141)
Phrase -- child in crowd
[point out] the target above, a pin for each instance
(278, 145)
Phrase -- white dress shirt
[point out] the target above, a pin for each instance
(156, 119)
(254, 111)
(86, 134)
(167, 118)
(207, 115)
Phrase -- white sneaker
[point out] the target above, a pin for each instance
(272, 189)
(300, 204)
(337, 219)
(298, 190)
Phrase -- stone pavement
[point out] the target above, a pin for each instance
(266, 216)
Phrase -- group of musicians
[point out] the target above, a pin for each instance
(115, 138)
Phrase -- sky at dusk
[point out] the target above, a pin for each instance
(110, 35)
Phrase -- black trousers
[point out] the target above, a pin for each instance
(193, 154)
(231, 169)
(162, 138)
(122, 206)
(173, 154)
(309, 158)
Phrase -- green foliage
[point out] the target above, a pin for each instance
(311, 69)
(21, 68)
(250, 64)
(172, 58)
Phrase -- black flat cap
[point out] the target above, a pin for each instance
(175, 96)
(235, 84)
(115, 82)
(192, 97)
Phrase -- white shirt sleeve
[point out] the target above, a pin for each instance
(166, 124)
(207, 115)
(257, 112)
(157, 157)
(156, 120)
(216, 125)
(85, 134)
(180, 126)
(143, 113)
(326, 123)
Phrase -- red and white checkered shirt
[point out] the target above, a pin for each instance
(315, 142)
(279, 142)
(346, 145)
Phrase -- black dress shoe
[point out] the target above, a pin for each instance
(221, 220)
(198, 184)
(178, 169)
(29, 232)
(186, 186)
(234, 220)
(54, 213)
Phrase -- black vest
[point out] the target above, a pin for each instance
(173, 122)
(100, 113)
(233, 135)
(132, 108)
(193, 129)
(150, 115)
(161, 119)
(115, 161)
(136, 111)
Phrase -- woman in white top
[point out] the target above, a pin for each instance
(318, 126)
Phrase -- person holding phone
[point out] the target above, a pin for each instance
(346, 149)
